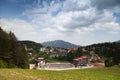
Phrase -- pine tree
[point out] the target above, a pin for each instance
(11, 52)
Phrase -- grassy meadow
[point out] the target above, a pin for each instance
(112, 73)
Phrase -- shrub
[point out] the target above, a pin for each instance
(108, 62)
(3, 64)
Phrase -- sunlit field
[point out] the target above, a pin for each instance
(81, 74)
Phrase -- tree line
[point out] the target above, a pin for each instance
(109, 52)
(12, 53)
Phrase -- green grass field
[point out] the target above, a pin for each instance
(112, 73)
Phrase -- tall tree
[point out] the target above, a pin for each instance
(11, 52)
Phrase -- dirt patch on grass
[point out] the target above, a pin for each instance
(98, 64)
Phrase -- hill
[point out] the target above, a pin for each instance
(31, 46)
(60, 43)
(109, 51)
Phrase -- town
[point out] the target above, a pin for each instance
(42, 62)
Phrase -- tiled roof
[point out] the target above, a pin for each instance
(81, 58)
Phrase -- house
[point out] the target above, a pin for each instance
(94, 56)
(39, 63)
(46, 49)
(71, 49)
(81, 61)
(42, 49)
(84, 50)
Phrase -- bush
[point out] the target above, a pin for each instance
(32, 61)
(3, 64)
(108, 62)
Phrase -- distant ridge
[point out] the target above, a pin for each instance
(31, 44)
(117, 41)
(60, 43)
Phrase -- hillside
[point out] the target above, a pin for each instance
(109, 51)
(85, 74)
(31, 44)
(60, 43)
(11, 52)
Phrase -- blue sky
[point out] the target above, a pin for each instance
(82, 22)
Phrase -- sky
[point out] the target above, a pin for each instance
(82, 22)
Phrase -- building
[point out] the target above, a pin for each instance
(71, 49)
(39, 63)
(94, 56)
(42, 49)
(81, 61)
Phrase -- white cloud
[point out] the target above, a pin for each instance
(70, 20)
(52, 33)
(75, 5)
(21, 28)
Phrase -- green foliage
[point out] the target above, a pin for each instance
(32, 61)
(62, 58)
(3, 64)
(71, 55)
(30, 44)
(56, 59)
(59, 58)
(104, 50)
(76, 53)
(109, 62)
(44, 55)
(107, 51)
(11, 51)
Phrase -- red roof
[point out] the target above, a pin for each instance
(70, 49)
(77, 59)
(80, 58)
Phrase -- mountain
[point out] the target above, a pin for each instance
(60, 43)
